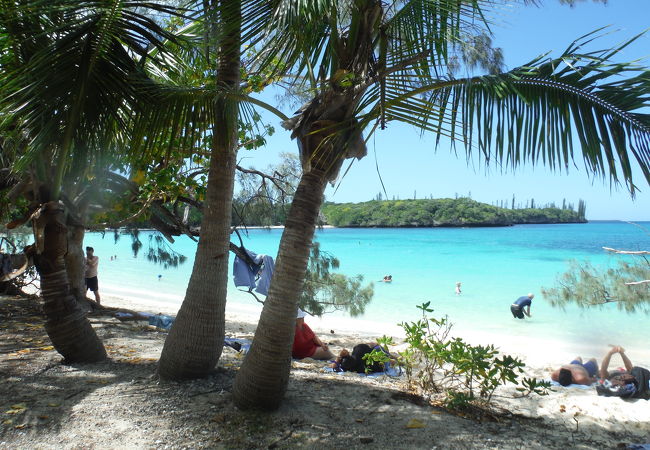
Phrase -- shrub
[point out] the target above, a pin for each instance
(464, 373)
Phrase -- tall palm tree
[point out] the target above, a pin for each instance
(69, 81)
(370, 62)
(195, 341)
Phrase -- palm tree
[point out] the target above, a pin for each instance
(195, 341)
(69, 80)
(369, 62)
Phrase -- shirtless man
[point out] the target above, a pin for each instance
(91, 262)
(576, 372)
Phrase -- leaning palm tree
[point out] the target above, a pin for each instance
(369, 62)
(195, 341)
(69, 78)
(194, 344)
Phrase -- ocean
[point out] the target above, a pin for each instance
(495, 266)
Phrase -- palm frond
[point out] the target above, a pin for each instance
(534, 113)
(73, 76)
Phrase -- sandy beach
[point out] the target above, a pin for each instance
(536, 351)
(121, 403)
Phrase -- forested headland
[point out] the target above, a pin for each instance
(444, 212)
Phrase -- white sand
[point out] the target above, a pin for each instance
(609, 421)
(567, 407)
(535, 351)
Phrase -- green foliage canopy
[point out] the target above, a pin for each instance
(325, 291)
(588, 286)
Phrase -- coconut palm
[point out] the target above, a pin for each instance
(368, 62)
(194, 343)
(69, 78)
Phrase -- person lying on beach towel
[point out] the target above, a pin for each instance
(354, 362)
(633, 382)
(576, 372)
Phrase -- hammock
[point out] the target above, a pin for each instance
(12, 265)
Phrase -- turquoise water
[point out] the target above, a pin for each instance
(495, 266)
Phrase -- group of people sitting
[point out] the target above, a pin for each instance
(307, 345)
(632, 382)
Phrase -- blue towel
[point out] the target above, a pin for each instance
(161, 321)
(245, 275)
(264, 282)
(577, 386)
(390, 371)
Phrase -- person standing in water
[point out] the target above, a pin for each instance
(522, 306)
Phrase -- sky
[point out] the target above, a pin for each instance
(410, 166)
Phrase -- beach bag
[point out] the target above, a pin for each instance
(642, 377)
(637, 389)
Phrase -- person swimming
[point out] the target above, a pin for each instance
(387, 279)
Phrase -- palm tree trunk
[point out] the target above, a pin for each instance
(262, 379)
(194, 344)
(66, 324)
(74, 264)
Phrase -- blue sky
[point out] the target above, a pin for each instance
(410, 166)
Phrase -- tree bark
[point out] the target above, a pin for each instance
(194, 344)
(66, 324)
(74, 263)
(262, 379)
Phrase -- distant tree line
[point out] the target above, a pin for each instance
(530, 203)
(267, 210)
(442, 213)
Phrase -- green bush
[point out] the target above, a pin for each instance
(464, 373)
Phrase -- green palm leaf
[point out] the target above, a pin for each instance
(534, 113)
(72, 74)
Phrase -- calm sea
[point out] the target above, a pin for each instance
(495, 266)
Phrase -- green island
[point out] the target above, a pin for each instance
(443, 212)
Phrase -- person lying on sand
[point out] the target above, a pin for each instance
(354, 362)
(576, 372)
(633, 382)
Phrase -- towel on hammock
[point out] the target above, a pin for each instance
(251, 276)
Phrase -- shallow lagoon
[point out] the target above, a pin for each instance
(495, 266)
